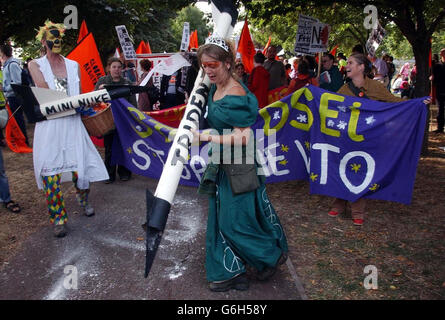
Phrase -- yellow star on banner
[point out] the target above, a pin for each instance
(154, 154)
(284, 148)
(284, 162)
(129, 150)
(308, 145)
(313, 177)
(355, 167)
(374, 187)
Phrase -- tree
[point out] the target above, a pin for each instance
(439, 40)
(395, 44)
(346, 26)
(416, 19)
(144, 19)
(196, 19)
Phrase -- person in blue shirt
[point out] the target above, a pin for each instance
(12, 74)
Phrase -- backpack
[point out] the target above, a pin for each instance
(26, 78)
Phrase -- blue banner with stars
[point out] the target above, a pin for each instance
(346, 147)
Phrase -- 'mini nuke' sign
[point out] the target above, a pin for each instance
(49, 104)
(56, 108)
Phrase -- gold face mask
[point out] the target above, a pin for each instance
(54, 40)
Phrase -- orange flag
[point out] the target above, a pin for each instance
(83, 31)
(267, 46)
(193, 40)
(142, 48)
(334, 51)
(246, 48)
(14, 137)
(88, 58)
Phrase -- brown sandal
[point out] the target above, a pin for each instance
(12, 206)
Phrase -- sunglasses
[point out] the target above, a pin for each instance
(211, 64)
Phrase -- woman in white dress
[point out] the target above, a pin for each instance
(62, 150)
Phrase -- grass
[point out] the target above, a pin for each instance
(405, 242)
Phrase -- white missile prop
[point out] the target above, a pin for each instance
(224, 15)
(50, 104)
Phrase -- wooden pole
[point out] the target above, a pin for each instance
(319, 65)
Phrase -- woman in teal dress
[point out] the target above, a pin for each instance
(243, 227)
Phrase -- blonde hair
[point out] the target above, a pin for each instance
(49, 25)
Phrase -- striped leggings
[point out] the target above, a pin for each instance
(55, 201)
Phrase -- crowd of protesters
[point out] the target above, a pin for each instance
(376, 78)
(301, 70)
(269, 73)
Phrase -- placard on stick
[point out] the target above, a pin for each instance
(126, 44)
(312, 35)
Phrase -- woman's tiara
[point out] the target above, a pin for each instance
(218, 41)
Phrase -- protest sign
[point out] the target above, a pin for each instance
(185, 37)
(375, 39)
(312, 35)
(155, 58)
(126, 44)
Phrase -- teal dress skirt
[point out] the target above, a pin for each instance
(242, 229)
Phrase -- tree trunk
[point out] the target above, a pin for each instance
(421, 49)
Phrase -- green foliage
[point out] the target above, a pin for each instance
(197, 20)
(282, 30)
(438, 41)
(395, 44)
(346, 27)
(144, 19)
(416, 21)
(279, 19)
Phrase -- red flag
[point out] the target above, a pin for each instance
(246, 48)
(267, 46)
(334, 51)
(83, 31)
(147, 44)
(193, 40)
(88, 58)
(170, 117)
(142, 48)
(14, 137)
